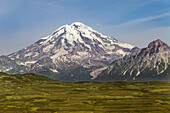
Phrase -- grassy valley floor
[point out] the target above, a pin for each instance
(31, 93)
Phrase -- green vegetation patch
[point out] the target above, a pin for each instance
(31, 93)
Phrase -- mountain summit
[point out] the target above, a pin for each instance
(151, 63)
(74, 43)
(157, 44)
(69, 47)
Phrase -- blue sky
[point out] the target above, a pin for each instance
(22, 22)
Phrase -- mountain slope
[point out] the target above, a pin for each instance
(70, 46)
(73, 43)
(6, 65)
(23, 79)
(151, 63)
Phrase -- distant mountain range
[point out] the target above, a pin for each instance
(150, 64)
(76, 52)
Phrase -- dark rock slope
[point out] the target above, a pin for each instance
(151, 63)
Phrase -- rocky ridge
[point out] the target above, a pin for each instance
(69, 47)
(151, 63)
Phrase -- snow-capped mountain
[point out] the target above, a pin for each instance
(151, 63)
(72, 45)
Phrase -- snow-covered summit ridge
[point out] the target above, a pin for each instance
(75, 44)
(68, 27)
(72, 33)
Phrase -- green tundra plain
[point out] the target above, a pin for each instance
(31, 93)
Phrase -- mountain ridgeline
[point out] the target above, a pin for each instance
(150, 64)
(70, 53)
(76, 52)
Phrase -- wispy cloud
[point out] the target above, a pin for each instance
(141, 20)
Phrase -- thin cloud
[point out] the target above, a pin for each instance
(141, 20)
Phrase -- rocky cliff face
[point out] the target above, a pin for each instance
(69, 47)
(151, 63)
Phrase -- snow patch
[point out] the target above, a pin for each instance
(29, 62)
(124, 45)
(96, 72)
(121, 52)
(54, 70)
(125, 72)
(28, 54)
(47, 48)
(8, 69)
(138, 73)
